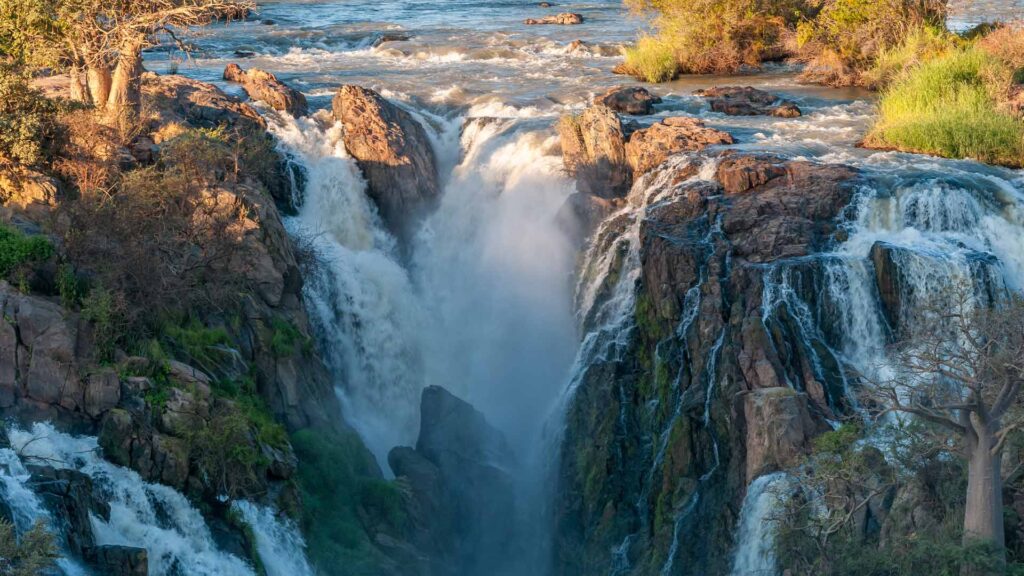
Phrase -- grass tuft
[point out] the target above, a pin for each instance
(652, 60)
(944, 107)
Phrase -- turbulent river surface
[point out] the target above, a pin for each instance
(483, 305)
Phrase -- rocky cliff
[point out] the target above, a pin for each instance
(708, 380)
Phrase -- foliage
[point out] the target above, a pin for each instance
(286, 337)
(18, 250)
(857, 31)
(225, 453)
(920, 45)
(945, 107)
(29, 131)
(337, 473)
(34, 553)
(713, 36)
(105, 311)
(652, 60)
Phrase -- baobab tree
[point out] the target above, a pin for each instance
(100, 42)
(962, 369)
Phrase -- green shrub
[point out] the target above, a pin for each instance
(847, 37)
(712, 36)
(33, 554)
(338, 474)
(29, 131)
(102, 308)
(286, 337)
(944, 107)
(193, 343)
(18, 250)
(920, 46)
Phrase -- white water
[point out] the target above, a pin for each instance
(142, 514)
(755, 556)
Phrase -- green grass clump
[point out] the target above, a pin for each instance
(652, 60)
(17, 250)
(921, 45)
(944, 108)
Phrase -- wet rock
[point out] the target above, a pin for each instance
(545, 4)
(391, 37)
(779, 430)
(68, 494)
(594, 151)
(629, 100)
(460, 484)
(264, 86)
(244, 54)
(563, 19)
(115, 560)
(889, 281)
(649, 147)
(748, 101)
(102, 391)
(394, 153)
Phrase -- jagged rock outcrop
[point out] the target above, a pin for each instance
(649, 147)
(394, 153)
(628, 100)
(460, 496)
(563, 19)
(116, 560)
(748, 101)
(715, 379)
(264, 86)
(180, 99)
(594, 152)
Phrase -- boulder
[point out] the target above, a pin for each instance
(180, 99)
(748, 101)
(594, 151)
(264, 86)
(391, 37)
(102, 391)
(394, 153)
(23, 191)
(779, 430)
(628, 100)
(649, 147)
(115, 560)
(68, 494)
(563, 19)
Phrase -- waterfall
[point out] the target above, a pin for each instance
(755, 534)
(143, 514)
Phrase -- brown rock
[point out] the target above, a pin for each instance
(649, 147)
(264, 86)
(25, 190)
(563, 19)
(394, 153)
(779, 430)
(748, 101)
(102, 392)
(628, 100)
(594, 151)
(180, 99)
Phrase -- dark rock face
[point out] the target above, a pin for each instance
(262, 85)
(461, 499)
(629, 100)
(394, 153)
(69, 496)
(748, 101)
(716, 380)
(563, 19)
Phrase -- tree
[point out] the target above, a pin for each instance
(962, 369)
(100, 42)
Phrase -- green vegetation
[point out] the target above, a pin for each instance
(652, 60)
(711, 36)
(29, 130)
(18, 250)
(33, 554)
(338, 474)
(949, 107)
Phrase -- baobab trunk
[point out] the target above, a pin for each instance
(98, 81)
(125, 90)
(983, 514)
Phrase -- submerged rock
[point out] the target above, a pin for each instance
(629, 100)
(264, 86)
(563, 19)
(116, 560)
(748, 101)
(394, 153)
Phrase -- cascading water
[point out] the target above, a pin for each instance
(755, 556)
(143, 515)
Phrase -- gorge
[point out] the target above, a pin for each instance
(504, 329)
